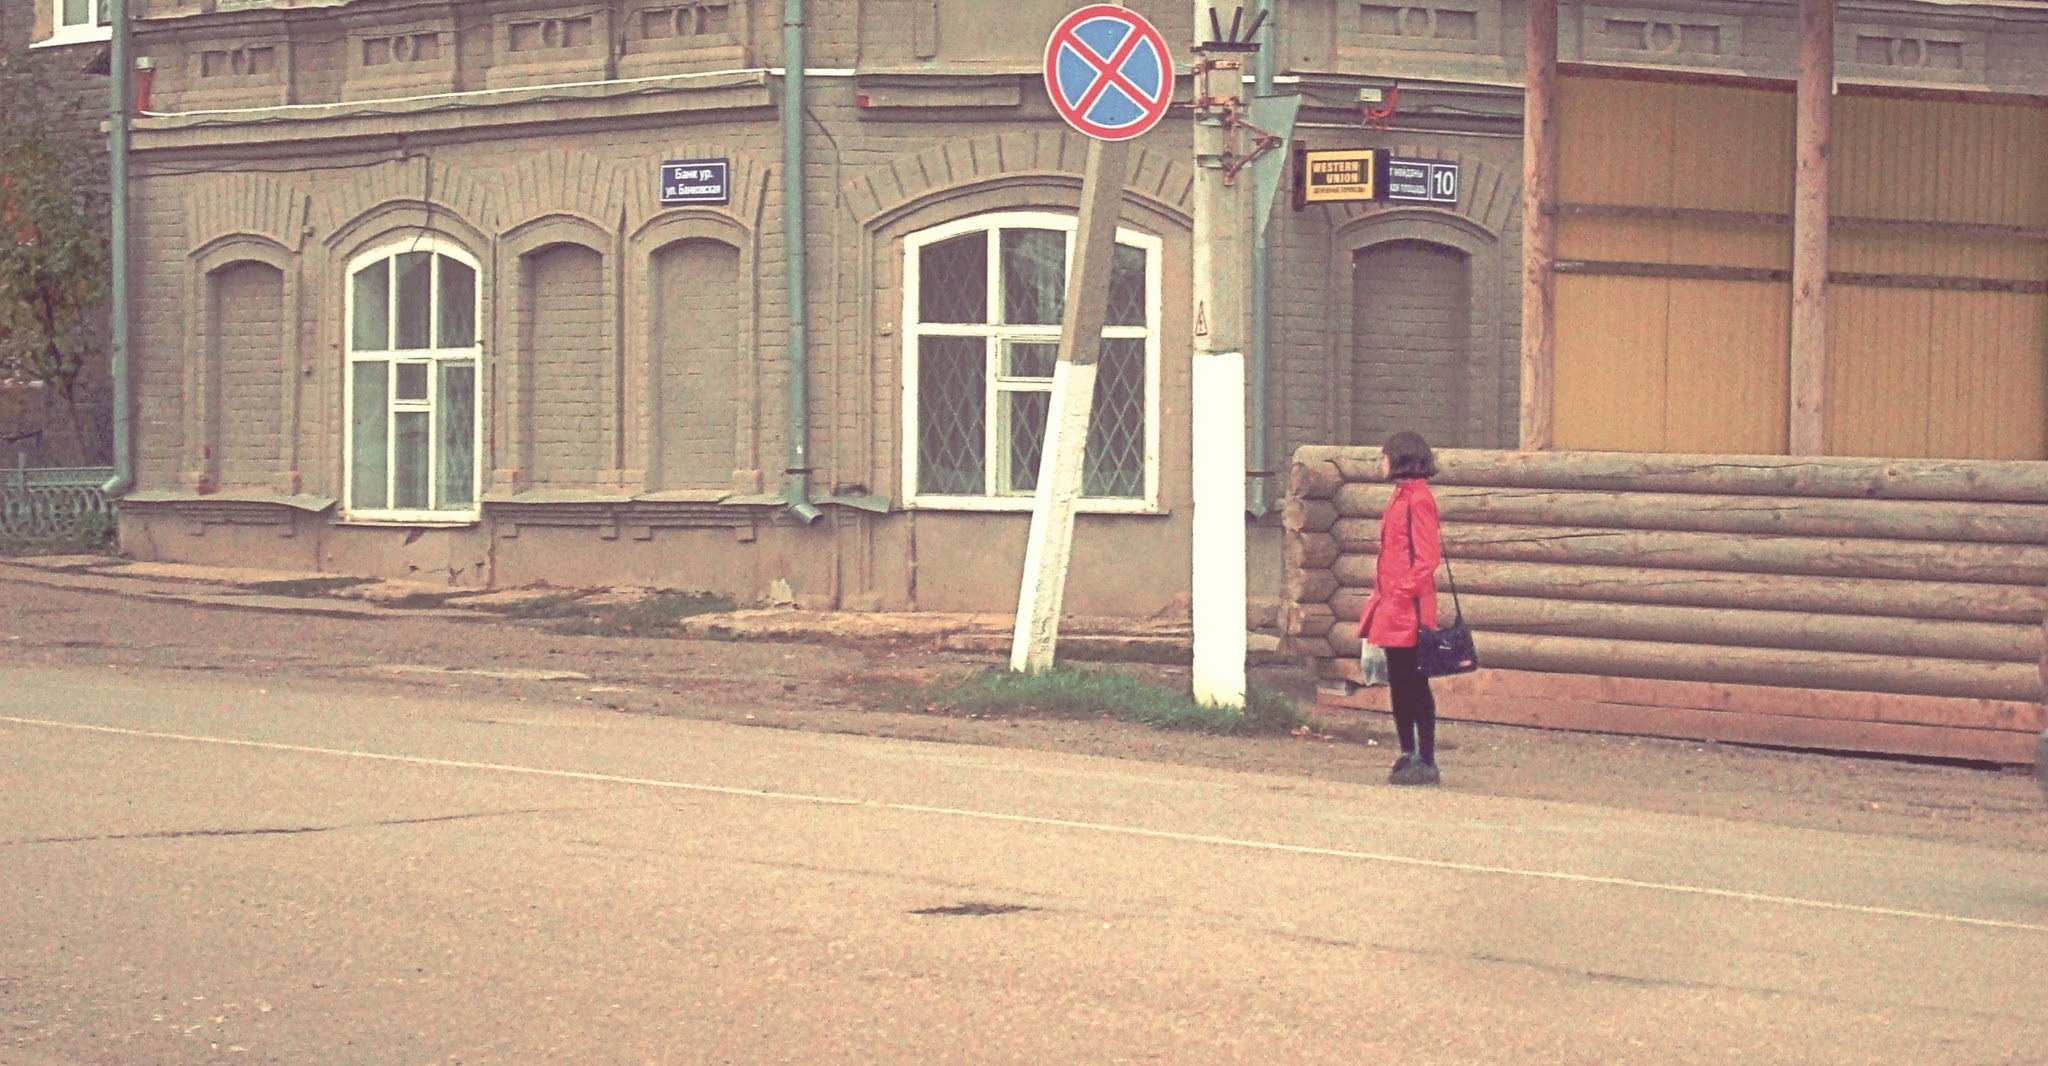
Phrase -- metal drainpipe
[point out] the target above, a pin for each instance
(1261, 326)
(119, 75)
(796, 488)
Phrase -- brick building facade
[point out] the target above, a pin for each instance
(408, 301)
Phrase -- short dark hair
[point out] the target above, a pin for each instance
(1408, 456)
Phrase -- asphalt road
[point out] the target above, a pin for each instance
(208, 870)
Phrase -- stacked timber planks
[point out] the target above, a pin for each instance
(1901, 600)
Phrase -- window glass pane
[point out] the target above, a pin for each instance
(1034, 277)
(952, 413)
(75, 12)
(106, 12)
(1024, 415)
(457, 411)
(1029, 359)
(1127, 287)
(1114, 465)
(458, 304)
(415, 295)
(412, 381)
(372, 402)
(372, 329)
(410, 445)
(952, 280)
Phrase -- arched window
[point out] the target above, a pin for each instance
(983, 302)
(412, 384)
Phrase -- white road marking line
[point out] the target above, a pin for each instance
(1061, 823)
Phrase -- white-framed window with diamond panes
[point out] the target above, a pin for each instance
(983, 301)
(412, 399)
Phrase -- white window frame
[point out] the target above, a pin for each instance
(61, 33)
(996, 384)
(433, 357)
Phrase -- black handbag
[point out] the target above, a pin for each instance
(1449, 650)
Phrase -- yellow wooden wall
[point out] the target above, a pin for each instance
(1665, 364)
(1923, 371)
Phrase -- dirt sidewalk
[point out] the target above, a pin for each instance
(864, 674)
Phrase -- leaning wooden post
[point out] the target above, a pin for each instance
(1539, 224)
(1073, 392)
(1810, 213)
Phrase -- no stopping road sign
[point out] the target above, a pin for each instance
(1109, 72)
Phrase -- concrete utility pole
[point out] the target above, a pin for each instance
(1073, 396)
(1222, 270)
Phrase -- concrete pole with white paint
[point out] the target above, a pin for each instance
(1222, 266)
(1060, 482)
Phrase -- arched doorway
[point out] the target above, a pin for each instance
(1411, 344)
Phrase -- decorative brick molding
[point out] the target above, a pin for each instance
(399, 52)
(682, 36)
(959, 164)
(259, 205)
(541, 45)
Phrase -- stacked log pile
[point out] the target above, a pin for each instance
(1904, 578)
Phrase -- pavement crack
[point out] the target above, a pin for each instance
(288, 830)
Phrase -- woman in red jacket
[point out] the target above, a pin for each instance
(1404, 597)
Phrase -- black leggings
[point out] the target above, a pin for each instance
(1414, 706)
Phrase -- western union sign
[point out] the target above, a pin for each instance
(1337, 176)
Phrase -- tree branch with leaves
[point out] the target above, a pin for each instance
(54, 254)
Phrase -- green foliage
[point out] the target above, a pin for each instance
(95, 531)
(54, 255)
(1081, 694)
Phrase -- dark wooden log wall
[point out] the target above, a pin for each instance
(1925, 578)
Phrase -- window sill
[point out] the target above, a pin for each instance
(1024, 504)
(80, 35)
(412, 520)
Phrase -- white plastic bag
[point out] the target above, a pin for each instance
(1372, 665)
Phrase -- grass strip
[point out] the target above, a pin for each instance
(1071, 693)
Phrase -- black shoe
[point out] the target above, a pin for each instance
(1415, 773)
(1406, 760)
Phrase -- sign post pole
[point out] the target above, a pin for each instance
(1110, 76)
(1051, 545)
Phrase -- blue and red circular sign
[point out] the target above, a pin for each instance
(1109, 72)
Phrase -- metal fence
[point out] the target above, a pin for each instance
(54, 503)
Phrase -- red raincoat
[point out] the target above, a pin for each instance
(1404, 576)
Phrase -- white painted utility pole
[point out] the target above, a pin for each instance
(1073, 396)
(1222, 271)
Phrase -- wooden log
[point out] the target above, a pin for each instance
(1344, 641)
(1930, 600)
(1811, 197)
(1309, 586)
(1759, 666)
(1314, 480)
(1306, 619)
(1967, 480)
(1347, 604)
(1949, 713)
(1989, 523)
(1298, 515)
(1790, 630)
(1307, 648)
(1540, 137)
(1310, 551)
(1987, 730)
(1993, 564)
